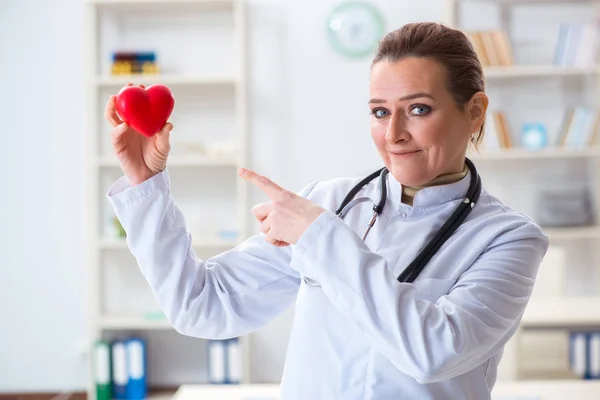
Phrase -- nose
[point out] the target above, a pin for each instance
(396, 130)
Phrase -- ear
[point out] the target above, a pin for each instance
(476, 110)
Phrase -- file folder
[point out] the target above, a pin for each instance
(136, 369)
(225, 361)
(119, 370)
(216, 362)
(233, 361)
(578, 354)
(102, 370)
(594, 355)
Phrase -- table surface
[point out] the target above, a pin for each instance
(527, 390)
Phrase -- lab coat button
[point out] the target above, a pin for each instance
(403, 215)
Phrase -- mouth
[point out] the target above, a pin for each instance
(404, 153)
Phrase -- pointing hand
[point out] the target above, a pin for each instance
(285, 218)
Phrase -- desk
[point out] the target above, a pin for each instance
(525, 390)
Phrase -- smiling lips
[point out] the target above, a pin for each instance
(404, 153)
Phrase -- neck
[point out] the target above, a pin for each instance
(409, 192)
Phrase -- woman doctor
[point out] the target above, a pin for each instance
(362, 329)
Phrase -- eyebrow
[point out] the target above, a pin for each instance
(404, 98)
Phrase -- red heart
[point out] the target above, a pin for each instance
(145, 110)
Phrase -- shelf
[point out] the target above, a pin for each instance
(126, 323)
(117, 244)
(587, 232)
(518, 2)
(145, 4)
(547, 389)
(528, 71)
(534, 1)
(566, 312)
(165, 79)
(524, 154)
(180, 161)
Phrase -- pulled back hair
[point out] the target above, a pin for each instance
(449, 47)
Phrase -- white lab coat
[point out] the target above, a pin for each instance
(361, 334)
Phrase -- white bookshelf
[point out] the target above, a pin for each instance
(533, 155)
(166, 79)
(572, 310)
(124, 323)
(198, 243)
(149, 4)
(576, 233)
(520, 2)
(180, 161)
(210, 108)
(563, 313)
(533, 71)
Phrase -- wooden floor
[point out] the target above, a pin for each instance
(43, 396)
(155, 394)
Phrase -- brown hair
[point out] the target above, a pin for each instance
(447, 46)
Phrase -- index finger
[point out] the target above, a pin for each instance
(272, 190)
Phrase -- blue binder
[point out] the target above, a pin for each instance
(579, 354)
(224, 361)
(594, 355)
(233, 361)
(119, 370)
(136, 369)
(216, 362)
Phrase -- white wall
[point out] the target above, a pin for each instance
(42, 278)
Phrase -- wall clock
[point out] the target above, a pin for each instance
(355, 28)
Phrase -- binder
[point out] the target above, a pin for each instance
(233, 361)
(594, 355)
(119, 370)
(578, 354)
(102, 370)
(216, 362)
(136, 369)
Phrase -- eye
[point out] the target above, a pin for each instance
(420, 109)
(380, 113)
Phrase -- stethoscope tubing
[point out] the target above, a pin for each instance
(450, 226)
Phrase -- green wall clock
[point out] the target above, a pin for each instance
(355, 28)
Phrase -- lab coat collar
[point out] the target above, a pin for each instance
(432, 195)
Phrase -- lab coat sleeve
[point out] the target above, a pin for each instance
(429, 340)
(225, 296)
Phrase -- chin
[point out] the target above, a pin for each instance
(407, 178)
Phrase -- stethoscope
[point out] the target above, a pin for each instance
(456, 219)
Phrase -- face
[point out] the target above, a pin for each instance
(418, 128)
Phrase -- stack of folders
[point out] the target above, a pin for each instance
(224, 361)
(120, 369)
(584, 354)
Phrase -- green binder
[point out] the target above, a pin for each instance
(102, 374)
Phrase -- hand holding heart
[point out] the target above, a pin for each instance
(142, 147)
(287, 216)
(141, 156)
